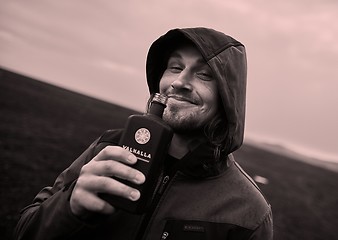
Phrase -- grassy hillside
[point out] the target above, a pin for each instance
(44, 128)
(304, 198)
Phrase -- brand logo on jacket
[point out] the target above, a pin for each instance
(193, 228)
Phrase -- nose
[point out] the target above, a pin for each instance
(182, 82)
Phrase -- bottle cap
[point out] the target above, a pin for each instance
(160, 98)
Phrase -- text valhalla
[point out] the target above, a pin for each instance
(137, 152)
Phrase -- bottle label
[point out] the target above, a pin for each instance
(142, 136)
(141, 155)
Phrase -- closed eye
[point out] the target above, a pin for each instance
(206, 76)
(175, 69)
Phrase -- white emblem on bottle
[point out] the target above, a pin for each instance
(142, 136)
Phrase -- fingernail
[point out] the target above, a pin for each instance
(132, 158)
(138, 179)
(134, 195)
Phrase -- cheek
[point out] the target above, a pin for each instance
(161, 87)
(209, 93)
(210, 98)
(164, 84)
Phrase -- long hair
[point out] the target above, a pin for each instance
(217, 132)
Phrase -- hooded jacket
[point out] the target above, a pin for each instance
(200, 198)
(227, 60)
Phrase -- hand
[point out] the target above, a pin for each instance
(96, 177)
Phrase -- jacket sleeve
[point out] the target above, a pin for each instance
(265, 230)
(50, 216)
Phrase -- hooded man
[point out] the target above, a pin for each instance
(203, 193)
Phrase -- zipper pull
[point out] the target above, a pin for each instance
(164, 183)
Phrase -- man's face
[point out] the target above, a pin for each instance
(191, 88)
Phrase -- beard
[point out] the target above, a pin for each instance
(183, 120)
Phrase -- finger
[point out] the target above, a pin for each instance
(116, 153)
(100, 184)
(83, 202)
(113, 168)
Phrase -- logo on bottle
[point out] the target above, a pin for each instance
(142, 136)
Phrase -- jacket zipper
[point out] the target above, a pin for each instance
(164, 183)
(144, 228)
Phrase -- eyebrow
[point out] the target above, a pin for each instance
(175, 54)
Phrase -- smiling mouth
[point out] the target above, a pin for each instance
(182, 98)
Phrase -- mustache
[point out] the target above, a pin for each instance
(180, 96)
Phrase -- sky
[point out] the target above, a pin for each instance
(99, 48)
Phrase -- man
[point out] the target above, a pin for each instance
(203, 193)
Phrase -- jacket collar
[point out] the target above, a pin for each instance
(200, 162)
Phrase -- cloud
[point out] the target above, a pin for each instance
(101, 46)
(116, 66)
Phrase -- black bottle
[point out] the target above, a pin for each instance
(148, 138)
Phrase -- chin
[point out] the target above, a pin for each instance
(186, 121)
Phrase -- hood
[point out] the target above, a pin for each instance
(227, 59)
